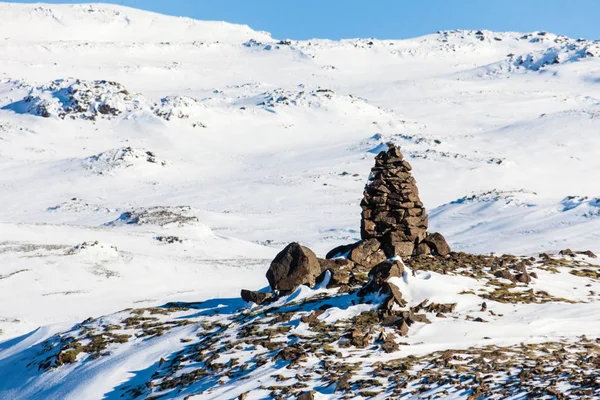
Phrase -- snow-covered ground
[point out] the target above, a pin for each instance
(147, 159)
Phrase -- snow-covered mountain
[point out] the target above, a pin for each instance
(147, 159)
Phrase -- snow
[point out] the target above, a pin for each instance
(256, 143)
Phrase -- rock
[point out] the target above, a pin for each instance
(367, 253)
(344, 383)
(290, 353)
(294, 266)
(389, 343)
(589, 253)
(386, 270)
(423, 249)
(307, 395)
(363, 249)
(403, 328)
(523, 277)
(397, 244)
(420, 318)
(340, 270)
(395, 295)
(440, 308)
(438, 244)
(382, 272)
(505, 274)
(359, 338)
(255, 297)
(567, 252)
(312, 318)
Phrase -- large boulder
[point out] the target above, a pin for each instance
(438, 244)
(294, 266)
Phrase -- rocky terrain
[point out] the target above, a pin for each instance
(278, 218)
(342, 326)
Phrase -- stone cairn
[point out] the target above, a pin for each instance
(394, 224)
(392, 211)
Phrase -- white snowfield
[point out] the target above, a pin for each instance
(147, 159)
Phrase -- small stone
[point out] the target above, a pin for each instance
(395, 294)
(255, 297)
(403, 329)
(505, 274)
(344, 383)
(589, 253)
(567, 252)
(307, 395)
(389, 343)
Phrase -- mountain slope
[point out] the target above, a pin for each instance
(147, 160)
(108, 23)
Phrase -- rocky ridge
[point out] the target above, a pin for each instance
(98, 99)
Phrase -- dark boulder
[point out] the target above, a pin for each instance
(505, 274)
(438, 244)
(294, 266)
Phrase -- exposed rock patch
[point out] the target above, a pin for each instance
(121, 158)
(160, 216)
(100, 99)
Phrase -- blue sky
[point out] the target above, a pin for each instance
(385, 19)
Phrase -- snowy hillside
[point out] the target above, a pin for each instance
(147, 159)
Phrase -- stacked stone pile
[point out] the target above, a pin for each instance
(394, 223)
(392, 211)
(391, 208)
